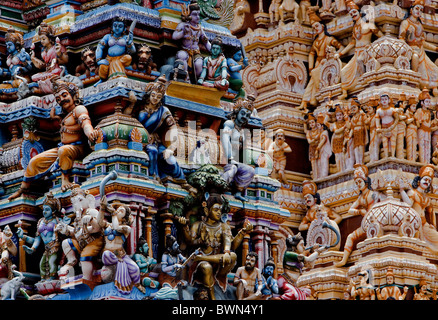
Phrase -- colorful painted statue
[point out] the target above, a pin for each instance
(423, 119)
(234, 70)
(172, 262)
(237, 174)
(411, 129)
(278, 149)
(371, 125)
(145, 263)
(46, 233)
(422, 293)
(365, 290)
(144, 62)
(412, 31)
(391, 291)
(163, 131)
(248, 279)
(118, 45)
(18, 62)
(85, 235)
(324, 148)
(317, 53)
(88, 67)
(319, 147)
(53, 55)
(361, 37)
(214, 68)
(214, 258)
(7, 249)
(313, 200)
(116, 232)
(367, 197)
(74, 126)
(191, 33)
(357, 133)
(270, 284)
(387, 118)
(418, 197)
(338, 129)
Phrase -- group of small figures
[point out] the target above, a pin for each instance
(34, 73)
(407, 129)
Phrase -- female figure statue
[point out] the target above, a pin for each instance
(118, 45)
(324, 149)
(337, 143)
(411, 129)
(53, 55)
(47, 234)
(423, 119)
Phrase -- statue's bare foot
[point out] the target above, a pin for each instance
(67, 186)
(16, 194)
(66, 270)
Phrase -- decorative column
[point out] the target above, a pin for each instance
(274, 250)
(148, 230)
(167, 221)
(245, 248)
(259, 245)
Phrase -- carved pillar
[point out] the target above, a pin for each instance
(245, 248)
(259, 246)
(167, 221)
(21, 253)
(148, 230)
(274, 250)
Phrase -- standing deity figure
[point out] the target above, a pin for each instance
(18, 62)
(191, 33)
(371, 122)
(75, 125)
(274, 13)
(318, 52)
(278, 149)
(391, 291)
(7, 249)
(85, 235)
(358, 132)
(145, 263)
(412, 31)
(401, 126)
(338, 129)
(411, 129)
(361, 37)
(367, 197)
(46, 233)
(387, 118)
(115, 233)
(247, 278)
(117, 46)
(289, 6)
(418, 198)
(324, 148)
(53, 55)
(214, 68)
(163, 141)
(214, 258)
(233, 139)
(365, 290)
(313, 201)
(234, 70)
(423, 119)
(172, 262)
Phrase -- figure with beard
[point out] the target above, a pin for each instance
(270, 284)
(171, 262)
(89, 65)
(247, 278)
(313, 200)
(75, 126)
(145, 63)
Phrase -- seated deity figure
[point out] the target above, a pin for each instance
(172, 264)
(412, 31)
(47, 234)
(278, 148)
(411, 129)
(145, 263)
(116, 232)
(212, 237)
(85, 235)
(117, 46)
(18, 62)
(248, 279)
(214, 69)
(365, 290)
(361, 37)
(391, 291)
(423, 119)
(191, 34)
(53, 55)
(234, 70)
(313, 200)
(367, 197)
(318, 52)
(418, 198)
(233, 139)
(75, 125)
(387, 120)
